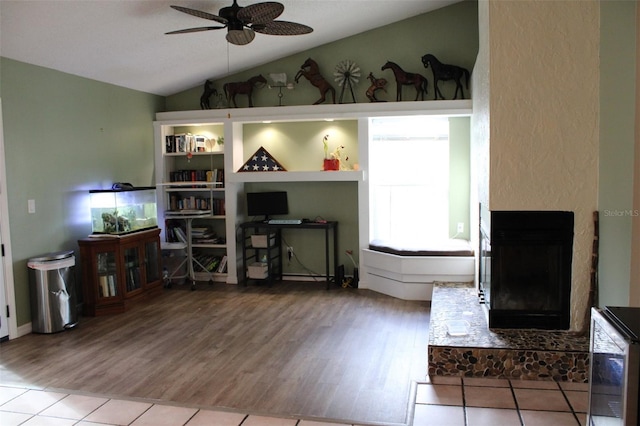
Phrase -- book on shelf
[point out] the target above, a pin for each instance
(170, 144)
(111, 280)
(107, 286)
(103, 286)
(208, 262)
(180, 234)
(222, 267)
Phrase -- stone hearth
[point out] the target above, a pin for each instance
(500, 353)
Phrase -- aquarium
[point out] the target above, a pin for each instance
(120, 211)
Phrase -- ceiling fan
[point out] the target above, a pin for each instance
(243, 22)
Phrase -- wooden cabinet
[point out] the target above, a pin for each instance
(118, 271)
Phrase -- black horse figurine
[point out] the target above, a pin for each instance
(446, 72)
(242, 88)
(407, 79)
(311, 72)
(209, 90)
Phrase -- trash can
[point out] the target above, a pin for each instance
(52, 289)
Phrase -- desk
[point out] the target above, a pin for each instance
(273, 252)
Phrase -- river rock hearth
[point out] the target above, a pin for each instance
(501, 353)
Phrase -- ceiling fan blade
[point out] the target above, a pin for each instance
(200, 14)
(195, 30)
(282, 28)
(261, 13)
(240, 37)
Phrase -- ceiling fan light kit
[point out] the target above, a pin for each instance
(243, 22)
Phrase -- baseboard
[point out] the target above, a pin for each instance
(24, 329)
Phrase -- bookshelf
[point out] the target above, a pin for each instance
(191, 180)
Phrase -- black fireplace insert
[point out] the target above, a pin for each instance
(530, 269)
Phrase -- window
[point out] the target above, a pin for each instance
(409, 174)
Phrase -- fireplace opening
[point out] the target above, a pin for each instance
(527, 281)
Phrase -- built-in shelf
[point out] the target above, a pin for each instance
(319, 176)
(238, 127)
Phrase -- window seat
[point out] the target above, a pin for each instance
(408, 271)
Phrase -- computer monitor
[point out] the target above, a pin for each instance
(267, 204)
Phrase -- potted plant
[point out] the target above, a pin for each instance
(330, 162)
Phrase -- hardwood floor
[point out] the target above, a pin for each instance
(293, 349)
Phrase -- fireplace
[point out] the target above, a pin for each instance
(525, 269)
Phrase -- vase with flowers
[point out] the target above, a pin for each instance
(331, 162)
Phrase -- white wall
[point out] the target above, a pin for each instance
(543, 61)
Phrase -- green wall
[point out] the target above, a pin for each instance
(618, 86)
(459, 175)
(450, 33)
(64, 135)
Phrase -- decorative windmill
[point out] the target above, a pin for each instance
(347, 74)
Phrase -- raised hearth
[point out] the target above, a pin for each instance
(501, 353)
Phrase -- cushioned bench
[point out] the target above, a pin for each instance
(408, 271)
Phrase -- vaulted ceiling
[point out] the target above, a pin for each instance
(123, 42)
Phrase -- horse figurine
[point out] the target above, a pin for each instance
(209, 90)
(310, 71)
(376, 84)
(242, 88)
(407, 79)
(446, 72)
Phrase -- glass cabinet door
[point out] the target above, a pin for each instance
(133, 277)
(107, 274)
(152, 258)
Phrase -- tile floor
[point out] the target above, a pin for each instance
(452, 401)
(440, 401)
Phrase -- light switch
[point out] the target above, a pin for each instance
(31, 206)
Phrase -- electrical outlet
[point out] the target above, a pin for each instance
(460, 227)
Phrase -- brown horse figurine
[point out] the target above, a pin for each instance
(407, 79)
(311, 72)
(376, 84)
(446, 72)
(242, 88)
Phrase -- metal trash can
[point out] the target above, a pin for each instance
(52, 289)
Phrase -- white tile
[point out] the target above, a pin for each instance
(479, 396)
(535, 384)
(541, 399)
(439, 394)
(74, 407)
(165, 415)
(579, 400)
(444, 380)
(13, 419)
(317, 423)
(440, 415)
(48, 421)
(118, 412)
(218, 418)
(477, 416)
(486, 381)
(268, 421)
(546, 418)
(574, 386)
(32, 401)
(7, 393)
